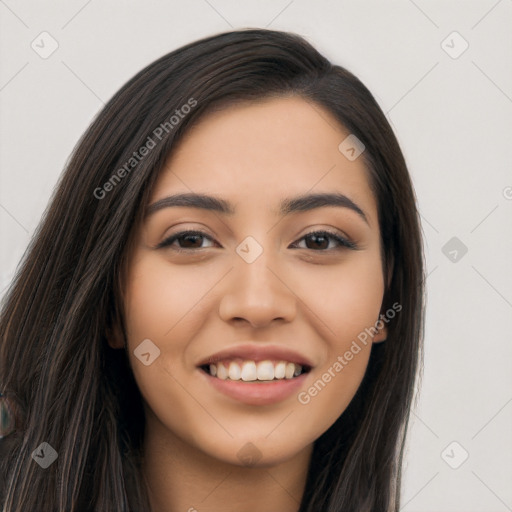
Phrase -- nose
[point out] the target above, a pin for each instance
(257, 293)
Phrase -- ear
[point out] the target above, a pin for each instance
(115, 335)
(390, 266)
(381, 335)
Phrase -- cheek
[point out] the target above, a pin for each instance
(161, 300)
(347, 311)
(162, 305)
(347, 299)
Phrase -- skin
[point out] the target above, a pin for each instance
(193, 304)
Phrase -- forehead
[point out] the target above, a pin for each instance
(261, 152)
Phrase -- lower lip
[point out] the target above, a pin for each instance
(257, 393)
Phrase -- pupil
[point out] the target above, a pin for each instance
(320, 238)
(188, 237)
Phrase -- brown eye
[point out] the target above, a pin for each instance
(187, 240)
(320, 241)
(317, 241)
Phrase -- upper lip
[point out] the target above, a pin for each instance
(257, 353)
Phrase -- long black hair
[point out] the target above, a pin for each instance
(71, 390)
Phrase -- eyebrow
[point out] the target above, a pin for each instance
(289, 205)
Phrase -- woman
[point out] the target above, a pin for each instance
(222, 308)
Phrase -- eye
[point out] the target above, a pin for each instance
(320, 241)
(187, 240)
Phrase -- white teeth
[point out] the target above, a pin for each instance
(290, 370)
(234, 371)
(222, 373)
(265, 370)
(250, 371)
(280, 370)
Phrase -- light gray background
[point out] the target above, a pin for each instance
(452, 117)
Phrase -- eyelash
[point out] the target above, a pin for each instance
(343, 242)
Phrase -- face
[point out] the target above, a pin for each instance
(264, 288)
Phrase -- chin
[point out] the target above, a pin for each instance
(256, 453)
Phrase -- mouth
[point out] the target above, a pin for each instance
(256, 374)
(255, 371)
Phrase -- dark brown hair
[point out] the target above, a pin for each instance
(71, 390)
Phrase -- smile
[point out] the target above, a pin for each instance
(254, 371)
